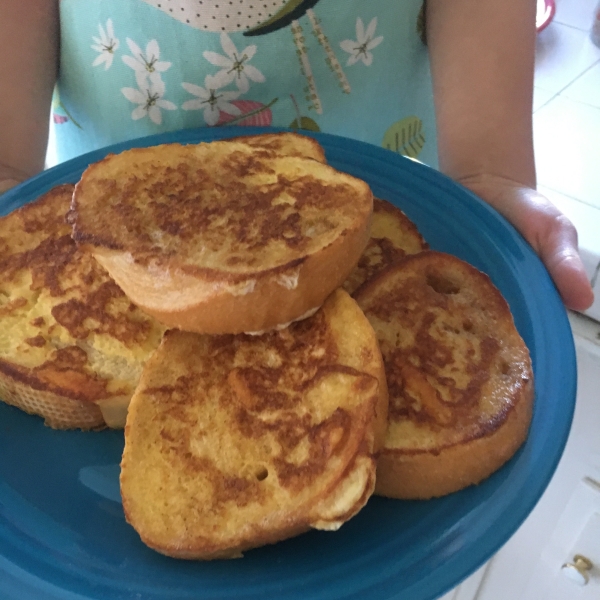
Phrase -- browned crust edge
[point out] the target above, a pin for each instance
(424, 475)
(58, 411)
(21, 376)
(270, 304)
(385, 206)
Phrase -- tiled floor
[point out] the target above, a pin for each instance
(567, 123)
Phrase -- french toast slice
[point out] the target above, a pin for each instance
(392, 236)
(222, 237)
(72, 345)
(459, 375)
(237, 441)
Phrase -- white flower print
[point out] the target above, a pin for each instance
(150, 100)
(211, 100)
(107, 44)
(361, 48)
(234, 66)
(146, 64)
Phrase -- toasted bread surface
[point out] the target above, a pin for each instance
(72, 345)
(392, 236)
(222, 237)
(287, 143)
(459, 375)
(233, 442)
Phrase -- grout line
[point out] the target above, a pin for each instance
(592, 483)
(586, 30)
(573, 81)
(544, 103)
(595, 276)
(579, 102)
(595, 64)
(565, 194)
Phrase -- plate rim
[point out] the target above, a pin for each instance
(454, 570)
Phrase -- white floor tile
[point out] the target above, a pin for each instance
(541, 97)
(586, 88)
(576, 13)
(566, 139)
(562, 54)
(585, 217)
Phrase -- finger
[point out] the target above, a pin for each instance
(558, 250)
(549, 232)
(7, 184)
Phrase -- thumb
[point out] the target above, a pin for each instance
(7, 184)
(558, 250)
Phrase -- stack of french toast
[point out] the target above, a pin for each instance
(277, 344)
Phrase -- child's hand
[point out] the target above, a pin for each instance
(10, 177)
(548, 231)
(6, 184)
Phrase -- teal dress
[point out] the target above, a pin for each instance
(131, 68)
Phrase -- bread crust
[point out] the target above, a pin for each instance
(392, 236)
(264, 301)
(58, 410)
(428, 474)
(224, 237)
(459, 375)
(288, 143)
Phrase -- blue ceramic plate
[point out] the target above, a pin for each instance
(62, 531)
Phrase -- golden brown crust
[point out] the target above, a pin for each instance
(392, 236)
(422, 475)
(459, 375)
(71, 341)
(58, 410)
(287, 143)
(273, 299)
(233, 442)
(222, 237)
